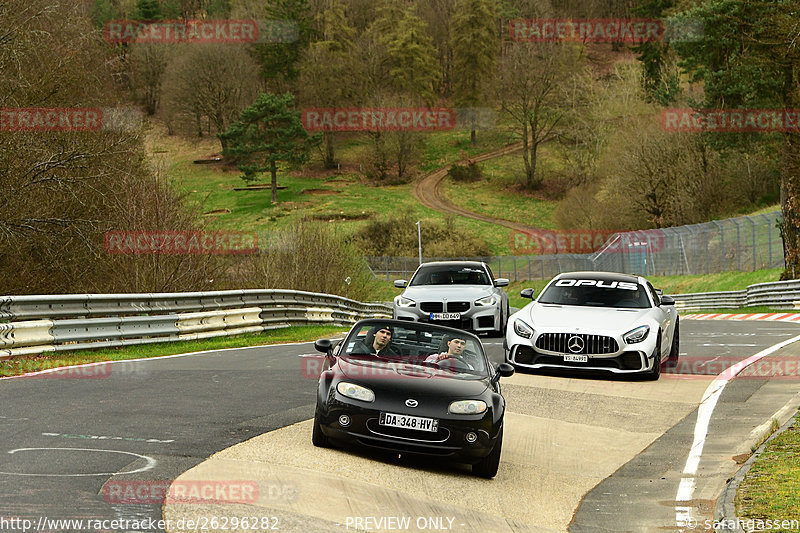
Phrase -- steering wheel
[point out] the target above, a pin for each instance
(454, 362)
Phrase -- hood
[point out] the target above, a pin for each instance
(405, 378)
(453, 293)
(613, 321)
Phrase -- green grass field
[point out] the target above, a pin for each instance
(771, 489)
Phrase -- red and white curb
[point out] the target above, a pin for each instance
(784, 317)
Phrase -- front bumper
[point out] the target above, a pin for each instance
(450, 441)
(477, 319)
(627, 362)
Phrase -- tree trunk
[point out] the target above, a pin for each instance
(525, 153)
(273, 170)
(790, 205)
(329, 160)
(790, 184)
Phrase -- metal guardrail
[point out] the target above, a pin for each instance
(55, 323)
(777, 295)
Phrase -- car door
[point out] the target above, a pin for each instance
(664, 319)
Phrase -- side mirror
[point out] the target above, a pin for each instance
(527, 293)
(501, 282)
(323, 345)
(400, 283)
(504, 370)
(667, 300)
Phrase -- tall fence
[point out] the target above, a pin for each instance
(743, 243)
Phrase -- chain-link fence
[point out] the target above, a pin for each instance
(735, 244)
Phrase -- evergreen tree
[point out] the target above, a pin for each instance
(279, 60)
(475, 44)
(267, 132)
(411, 58)
(147, 10)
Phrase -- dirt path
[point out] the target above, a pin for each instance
(428, 191)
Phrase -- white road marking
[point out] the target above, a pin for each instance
(150, 463)
(683, 514)
(106, 437)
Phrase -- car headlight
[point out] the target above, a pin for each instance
(356, 392)
(636, 335)
(490, 300)
(467, 407)
(402, 301)
(522, 329)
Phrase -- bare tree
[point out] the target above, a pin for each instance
(209, 84)
(535, 93)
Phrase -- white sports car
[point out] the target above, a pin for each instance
(598, 321)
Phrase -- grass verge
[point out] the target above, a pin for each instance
(771, 489)
(35, 363)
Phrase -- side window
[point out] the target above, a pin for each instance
(654, 294)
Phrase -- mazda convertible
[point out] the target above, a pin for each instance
(412, 388)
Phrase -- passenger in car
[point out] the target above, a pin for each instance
(376, 342)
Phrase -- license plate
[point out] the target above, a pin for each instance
(445, 316)
(576, 359)
(409, 422)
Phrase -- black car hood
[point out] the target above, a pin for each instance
(407, 378)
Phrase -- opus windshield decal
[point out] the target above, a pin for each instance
(597, 283)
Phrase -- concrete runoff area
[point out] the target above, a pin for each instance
(562, 437)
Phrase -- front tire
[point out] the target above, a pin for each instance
(318, 438)
(674, 351)
(503, 323)
(488, 466)
(655, 373)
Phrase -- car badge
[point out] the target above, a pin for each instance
(575, 344)
(411, 402)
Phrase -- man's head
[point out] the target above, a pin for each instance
(382, 337)
(456, 345)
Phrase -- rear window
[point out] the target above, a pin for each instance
(450, 275)
(596, 293)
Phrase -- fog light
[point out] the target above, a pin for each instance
(471, 437)
(344, 420)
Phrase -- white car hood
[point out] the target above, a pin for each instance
(453, 293)
(571, 318)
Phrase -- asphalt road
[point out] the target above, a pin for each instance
(63, 438)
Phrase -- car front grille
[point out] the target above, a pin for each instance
(588, 344)
(457, 307)
(431, 307)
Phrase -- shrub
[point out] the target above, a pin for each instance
(397, 236)
(465, 173)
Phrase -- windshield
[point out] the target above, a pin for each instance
(450, 275)
(419, 345)
(596, 293)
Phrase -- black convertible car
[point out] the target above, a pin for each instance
(412, 388)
